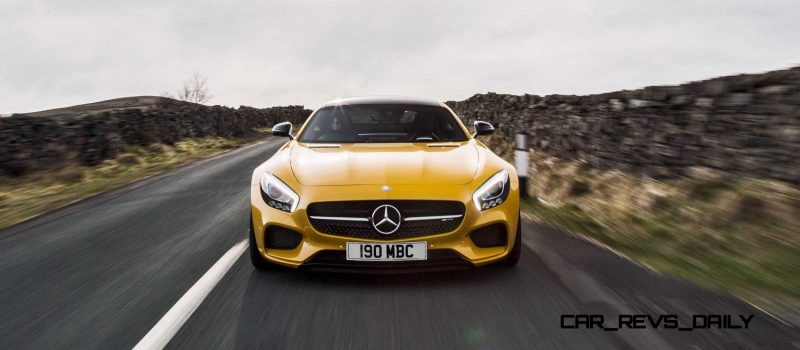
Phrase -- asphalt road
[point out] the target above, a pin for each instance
(100, 275)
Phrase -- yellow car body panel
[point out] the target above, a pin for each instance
(413, 171)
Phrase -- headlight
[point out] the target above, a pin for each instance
(277, 194)
(493, 192)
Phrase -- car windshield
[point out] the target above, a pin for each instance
(382, 123)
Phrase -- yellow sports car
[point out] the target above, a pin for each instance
(384, 182)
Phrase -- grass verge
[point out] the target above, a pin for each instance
(735, 234)
(25, 197)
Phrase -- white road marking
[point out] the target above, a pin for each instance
(168, 326)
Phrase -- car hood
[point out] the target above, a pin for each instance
(384, 164)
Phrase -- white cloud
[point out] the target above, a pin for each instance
(262, 54)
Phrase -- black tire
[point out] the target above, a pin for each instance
(512, 258)
(255, 257)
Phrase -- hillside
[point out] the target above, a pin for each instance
(141, 103)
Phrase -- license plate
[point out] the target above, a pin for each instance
(387, 251)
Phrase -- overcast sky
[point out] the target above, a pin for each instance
(264, 53)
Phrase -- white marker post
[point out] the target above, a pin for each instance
(521, 161)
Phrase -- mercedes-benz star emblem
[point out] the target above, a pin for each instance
(386, 219)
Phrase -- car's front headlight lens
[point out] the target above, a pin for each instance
(493, 192)
(277, 194)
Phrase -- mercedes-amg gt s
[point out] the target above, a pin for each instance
(384, 182)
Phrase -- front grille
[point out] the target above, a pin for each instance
(362, 210)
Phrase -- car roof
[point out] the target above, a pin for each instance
(364, 100)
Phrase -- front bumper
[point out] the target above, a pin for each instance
(314, 242)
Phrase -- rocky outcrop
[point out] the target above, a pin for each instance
(744, 124)
(29, 143)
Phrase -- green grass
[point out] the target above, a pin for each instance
(25, 197)
(569, 217)
(739, 236)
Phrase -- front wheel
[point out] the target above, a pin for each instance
(256, 259)
(512, 258)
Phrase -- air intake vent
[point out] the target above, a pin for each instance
(494, 235)
(277, 237)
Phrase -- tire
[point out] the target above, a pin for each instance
(512, 258)
(255, 256)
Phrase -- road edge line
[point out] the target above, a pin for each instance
(159, 336)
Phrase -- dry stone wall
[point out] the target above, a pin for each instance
(30, 143)
(744, 124)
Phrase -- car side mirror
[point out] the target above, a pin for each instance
(283, 129)
(483, 128)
